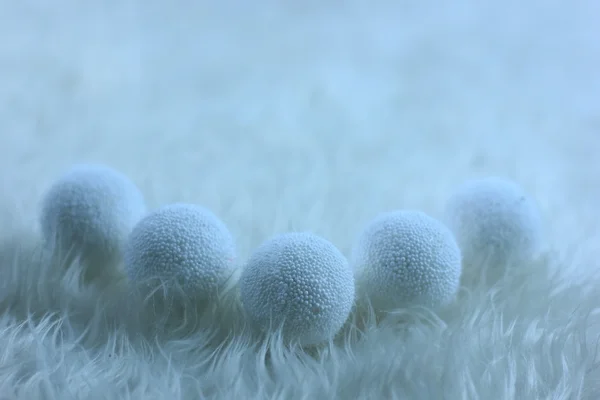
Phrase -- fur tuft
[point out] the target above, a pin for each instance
(70, 340)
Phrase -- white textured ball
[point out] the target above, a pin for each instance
(300, 282)
(181, 244)
(407, 258)
(89, 212)
(494, 221)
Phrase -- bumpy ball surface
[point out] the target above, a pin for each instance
(90, 211)
(300, 282)
(181, 244)
(406, 258)
(494, 221)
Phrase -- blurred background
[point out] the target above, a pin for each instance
(311, 115)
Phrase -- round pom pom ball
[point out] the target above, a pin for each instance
(183, 246)
(89, 212)
(406, 259)
(495, 223)
(300, 283)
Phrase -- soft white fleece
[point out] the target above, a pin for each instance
(303, 115)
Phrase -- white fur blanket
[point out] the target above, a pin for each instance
(304, 115)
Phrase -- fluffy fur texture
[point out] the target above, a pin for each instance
(313, 115)
(62, 340)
